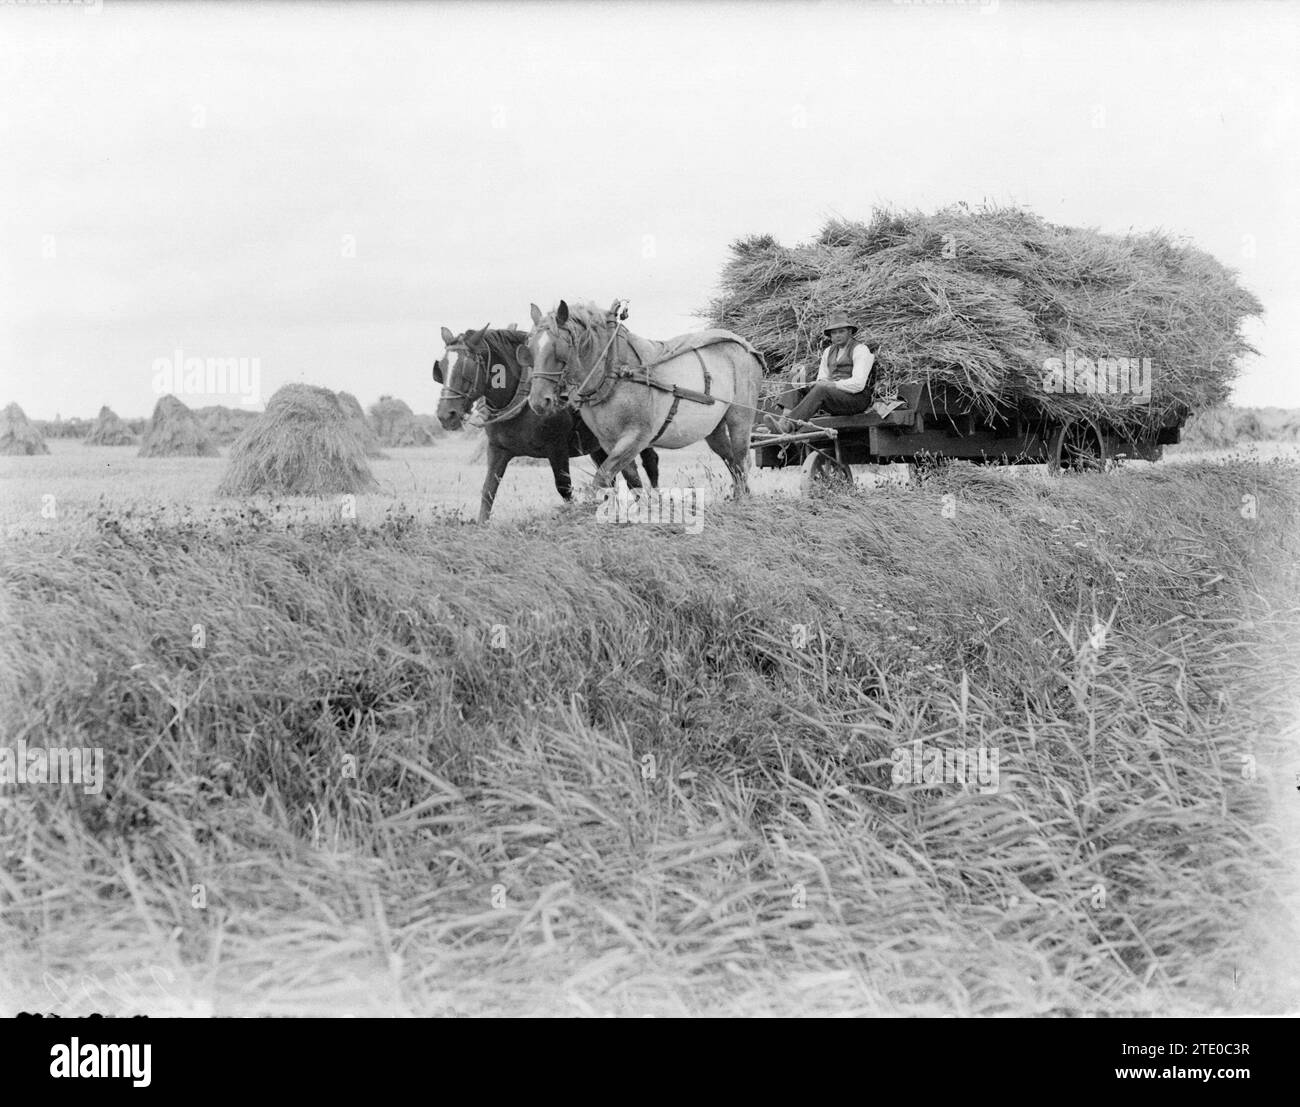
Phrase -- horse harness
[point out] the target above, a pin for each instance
(495, 414)
(612, 375)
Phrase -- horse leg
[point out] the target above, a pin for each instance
(650, 460)
(629, 472)
(730, 441)
(739, 420)
(563, 482)
(740, 427)
(618, 459)
(498, 459)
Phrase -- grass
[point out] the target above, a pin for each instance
(431, 482)
(554, 767)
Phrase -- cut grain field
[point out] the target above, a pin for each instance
(440, 482)
(414, 766)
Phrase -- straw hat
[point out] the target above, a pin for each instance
(839, 319)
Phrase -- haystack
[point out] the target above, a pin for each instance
(224, 424)
(303, 445)
(1220, 427)
(397, 425)
(980, 299)
(58, 427)
(174, 431)
(1284, 425)
(17, 435)
(361, 425)
(109, 430)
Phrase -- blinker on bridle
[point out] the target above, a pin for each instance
(455, 394)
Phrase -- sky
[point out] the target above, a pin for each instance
(319, 188)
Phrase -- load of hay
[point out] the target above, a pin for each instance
(397, 425)
(225, 424)
(981, 299)
(361, 425)
(174, 431)
(109, 430)
(17, 435)
(303, 445)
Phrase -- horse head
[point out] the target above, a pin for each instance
(552, 353)
(462, 372)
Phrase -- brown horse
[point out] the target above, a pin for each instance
(635, 393)
(484, 365)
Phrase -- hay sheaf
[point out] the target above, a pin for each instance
(59, 427)
(397, 425)
(303, 445)
(174, 431)
(357, 416)
(225, 424)
(1220, 427)
(979, 299)
(17, 435)
(109, 430)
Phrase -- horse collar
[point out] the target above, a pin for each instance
(608, 378)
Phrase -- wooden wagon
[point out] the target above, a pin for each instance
(935, 425)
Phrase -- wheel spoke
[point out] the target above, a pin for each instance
(1080, 449)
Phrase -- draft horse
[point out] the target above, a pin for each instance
(484, 364)
(635, 393)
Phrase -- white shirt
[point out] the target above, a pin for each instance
(863, 359)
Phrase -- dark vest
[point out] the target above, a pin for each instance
(839, 360)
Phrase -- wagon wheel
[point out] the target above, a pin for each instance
(1078, 447)
(821, 472)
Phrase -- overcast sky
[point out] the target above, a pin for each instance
(323, 187)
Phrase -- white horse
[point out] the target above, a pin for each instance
(635, 393)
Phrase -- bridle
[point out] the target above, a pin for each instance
(575, 397)
(557, 376)
(478, 390)
(450, 393)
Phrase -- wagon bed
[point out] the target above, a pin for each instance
(935, 425)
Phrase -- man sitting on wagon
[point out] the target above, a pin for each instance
(843, 385)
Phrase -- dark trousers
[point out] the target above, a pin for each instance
(826, 397)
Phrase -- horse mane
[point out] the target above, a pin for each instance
(504, 344)
(587, 326)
